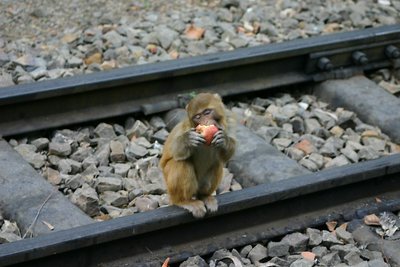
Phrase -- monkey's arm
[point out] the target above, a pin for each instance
(184, 143)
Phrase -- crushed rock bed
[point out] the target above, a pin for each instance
(388, 79)
(332, 245)
(306, 130)
(60, 39)
(109, 170)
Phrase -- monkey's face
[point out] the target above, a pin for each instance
(206, 109)
(205, 117)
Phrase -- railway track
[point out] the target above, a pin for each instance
(255, 213)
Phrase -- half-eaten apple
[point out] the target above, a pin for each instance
(207, 131)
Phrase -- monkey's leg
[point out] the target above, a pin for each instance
(205, 193)
(182, 186)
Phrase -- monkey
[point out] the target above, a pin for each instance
(193, 170)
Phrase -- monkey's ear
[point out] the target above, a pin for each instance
(217, 96)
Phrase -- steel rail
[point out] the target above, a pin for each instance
(244, 216)
(54, 103)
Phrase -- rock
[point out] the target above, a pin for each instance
(350, 154)
(102, 154)
(344, 250)
(121, 169)
(138, 129)
(74, 182)
(278, 249)
(145, 203)
(331, 259)
(376, 143)
(53, 176)
(329, 239)
(309, 164)
(295, 153)
(108, 184)
(40, 143)
(344, 235)
(8, 237)
(161, 135)
(315, 236)
(116, 199)
(306, 146)
(59, 149)
(27, 151)
(194, 261)
(296, 241)
(86, 199)
(104, 130)
(165, 36)
(320, 251)
(117, 151)
(311, 125)
(5, 79)
(281, 143)
(302, 263)
(257, 253)
(81, 154)
(134, 151)
(368, 153)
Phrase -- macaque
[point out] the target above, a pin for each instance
(192, 163)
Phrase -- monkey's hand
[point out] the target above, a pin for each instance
(219, 139)
(195, 139)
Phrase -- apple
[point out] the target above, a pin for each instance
(207, 131)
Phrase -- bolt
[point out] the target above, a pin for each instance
(359, 58)
(324, 64)
(392, 52)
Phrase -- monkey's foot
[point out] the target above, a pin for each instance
(211, 203)
(196, 207)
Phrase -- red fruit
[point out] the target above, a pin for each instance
(207, 131)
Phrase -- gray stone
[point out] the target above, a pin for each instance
(377, 263)
(113, 39)
(356, 146)
(368, 153)
(257, 253)
(74, 181)
(87, 200)
(121, 169)
(102, 154)
(194, 261)
(40, 143)
(138, 129)
(297, 241)
(343, 250)
(165, 36)
(161, 135)
(53, 176)
(81, 154)
(27, 151)
(331, 259)
(278, 249)
(320, 251)
(344, 235)
(302, 263)
(350, 154)
(108, 184)
(329, 239)
(117, 153)
(298, 125)
(309, 164)
(295, 153)
(352, 258)
(314, 235)
(104, 130)
(281, 143)
(8, 237)
(311, 125)
(145, 203)
(376, 143)
(116, 199)
(340, 160)
(73, 62)
(59, 149)
(157, 123)
(134, 151)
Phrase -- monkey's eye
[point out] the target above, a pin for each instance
(197, 117)
(207, 111)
